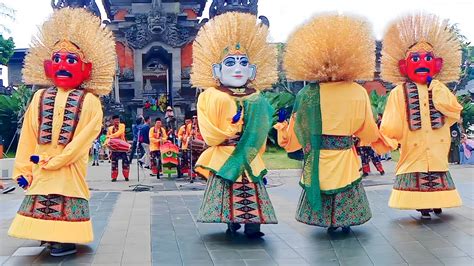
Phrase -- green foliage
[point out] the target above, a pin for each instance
(283, 100)
(467, 113)
(6, 49)
(12, 108)
(378, 103)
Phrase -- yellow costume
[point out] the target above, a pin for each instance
(119, 134)
(157, 139)
(183, 135)
(330, 51)
(419, 117)
(216, 109)
(234, 120)
(56, 205)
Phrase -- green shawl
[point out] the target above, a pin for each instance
(257, 123)
(308, 129)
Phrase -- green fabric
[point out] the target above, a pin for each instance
(341, 189)
(346, 208)
(308, 129)
(257, 122)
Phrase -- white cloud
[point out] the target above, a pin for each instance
(284, 15)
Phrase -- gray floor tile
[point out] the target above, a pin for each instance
(224, 255)
(448, 252)
(464, 261)
(257, 262)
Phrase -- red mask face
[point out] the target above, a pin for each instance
(420, 67)
(67, 70)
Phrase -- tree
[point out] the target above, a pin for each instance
(12, 109)
(7, 47)
(6, 12)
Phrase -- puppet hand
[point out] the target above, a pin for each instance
(237, 116)
(34, 159)
(22, 182)
(282, 115)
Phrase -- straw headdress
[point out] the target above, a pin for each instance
(77, 26)
(331, 48)
(407, 32)
(224, 34)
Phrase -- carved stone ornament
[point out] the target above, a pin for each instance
(156, 26)
(90, 5)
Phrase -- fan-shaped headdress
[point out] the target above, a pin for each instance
(420, 31)
(233, 33)
(78, 31)
(331, 48)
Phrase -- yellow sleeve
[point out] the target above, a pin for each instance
(151, 135)
(90, 125)
(215, 117)
(119, 132)
(369, 131)
(393, 122)
(286, 135)
(181, 132)
(28, 140)
(164, 135)
(445, 102)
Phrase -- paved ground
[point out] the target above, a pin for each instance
(159, 228)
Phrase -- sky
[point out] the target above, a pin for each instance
(284, 15)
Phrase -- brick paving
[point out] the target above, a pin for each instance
(159, 228)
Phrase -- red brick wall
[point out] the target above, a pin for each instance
(187, 55)
(120, 15)
(124, 55)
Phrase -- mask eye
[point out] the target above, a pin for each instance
(229, 61)
(244, 62)
(72, 60)
(56, 59)
(428, 58)
(415, 58)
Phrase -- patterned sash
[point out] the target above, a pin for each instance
(72, 112)
(330, 142)
(412, 100)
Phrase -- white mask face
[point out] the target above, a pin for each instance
(234, 71)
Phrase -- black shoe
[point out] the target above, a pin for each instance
(382, 173)
(332, 229)
(365, 174)
(425, 214)
(140, 163)
(233, 227)
(8, 189)
(152, 174)
(254, 235)
(437, 211)
(62, 249)
(126, 179)
(114, 180)
(346, 229)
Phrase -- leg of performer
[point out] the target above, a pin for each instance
(376, 161)
(153, 164)
(114, 166)
(158, 158)
(365, 161)
(253, 230)
(125, 166)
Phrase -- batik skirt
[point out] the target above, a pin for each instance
(343, 208)
(53, 218)
(240, 202)
(431, 190)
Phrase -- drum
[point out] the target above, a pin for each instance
(197, 145)
(118, 145)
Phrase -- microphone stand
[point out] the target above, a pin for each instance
(139, 187)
